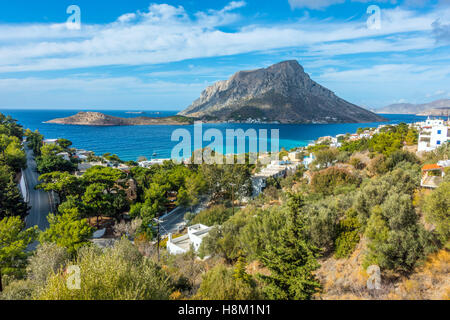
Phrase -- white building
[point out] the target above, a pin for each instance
(276, 169)
(149, 163)
(434, 136)
(433, 174)
(308, 160)
(295, 156)
(434, 122)
(50, 141)
(193, 239)
(64, 155)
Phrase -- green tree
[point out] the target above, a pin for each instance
(327, 180)
(10, 127)
(13, 243)
(51, 150)
(105, 175)
(11, 152)
(397, 240)
(147, 212)
(63, 183)
(67, 230)
(348, 235)
(326, 157)
(221, 283)
(118, 273)
(11, 200)
(64, 143)
(48, 259)
(215, 215)
(260, 230)
(291, 260)
(34, 141)
(227, 182)
(52, 163)
(437, 211)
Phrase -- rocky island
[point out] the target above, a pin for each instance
(100, 119)
(282, 93)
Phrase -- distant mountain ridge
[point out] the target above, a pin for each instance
(431, 108)
(281, 93)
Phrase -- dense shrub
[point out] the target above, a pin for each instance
(215, 215)
(437, 209)
(261, 230)
(321, 223)
(327, 180)
(223, 240)
(326, 157)
(397, 240)
(220, 283)
(400, 156)
(375, 191)
(118, 273)
(348, 237)
(357, 163)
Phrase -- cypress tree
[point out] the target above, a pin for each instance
(291, 259)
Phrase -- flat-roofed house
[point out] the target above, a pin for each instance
(433, 174)
(50, 141)
(193, 239)
(433, 137)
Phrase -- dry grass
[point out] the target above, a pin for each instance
(345, 279)
(429, 282)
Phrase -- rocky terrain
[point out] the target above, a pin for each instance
(432, 108)
(437, 112)
(100, 119)
(282, 93)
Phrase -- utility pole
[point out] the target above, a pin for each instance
(159, 235)
(232, 196)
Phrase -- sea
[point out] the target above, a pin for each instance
(132, 142)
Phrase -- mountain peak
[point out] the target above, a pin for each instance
(282, 92)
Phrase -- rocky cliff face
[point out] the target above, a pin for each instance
(282, 92)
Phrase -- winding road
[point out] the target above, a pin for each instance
(39, 200)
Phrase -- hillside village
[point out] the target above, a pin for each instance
(204, 228)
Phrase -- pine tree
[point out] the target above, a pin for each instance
(240, 272)
(11, 201)
(291, 260)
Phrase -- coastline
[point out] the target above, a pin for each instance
(132, 142)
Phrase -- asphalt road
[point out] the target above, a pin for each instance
(175, 221)
(39, 200)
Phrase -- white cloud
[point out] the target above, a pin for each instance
(96, 92)
(322, 4)
(166, 33)
(313, 4)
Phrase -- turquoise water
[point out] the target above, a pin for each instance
(131, 142)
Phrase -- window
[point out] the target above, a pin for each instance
(438, 142)
(439, 131)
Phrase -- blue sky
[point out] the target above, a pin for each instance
(160, 55)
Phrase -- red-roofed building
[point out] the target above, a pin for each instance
(433, 174)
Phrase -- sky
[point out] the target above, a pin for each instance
(160, 55)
